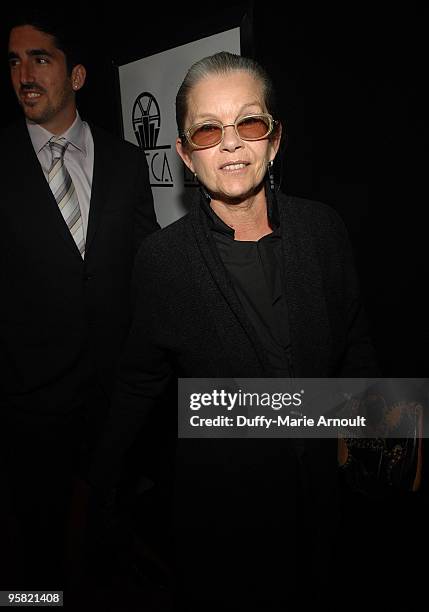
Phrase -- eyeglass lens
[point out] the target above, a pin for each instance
(248, 128)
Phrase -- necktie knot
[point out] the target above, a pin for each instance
(58, 148)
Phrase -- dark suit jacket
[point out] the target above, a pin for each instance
(64, 319)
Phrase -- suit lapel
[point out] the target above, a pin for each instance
(103, 169)
(42, 208)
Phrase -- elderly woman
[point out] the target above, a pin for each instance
(250, 283)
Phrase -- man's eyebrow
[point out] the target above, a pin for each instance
(31, 52)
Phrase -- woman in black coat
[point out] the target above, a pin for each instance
(250, 283)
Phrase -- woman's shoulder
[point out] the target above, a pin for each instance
(164, 236)
(312, 214)
(166, 243)
(311, 208)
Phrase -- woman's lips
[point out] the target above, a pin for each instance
(234, 166)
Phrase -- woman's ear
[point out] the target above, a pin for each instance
(183, 152)
(275, 140)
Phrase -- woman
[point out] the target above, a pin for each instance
(250, 283)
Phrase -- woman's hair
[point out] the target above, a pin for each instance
(221, 64)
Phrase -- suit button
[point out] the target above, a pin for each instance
(88, 277)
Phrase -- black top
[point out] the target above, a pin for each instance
(255, 270)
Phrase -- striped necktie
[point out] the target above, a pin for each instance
(64, 192)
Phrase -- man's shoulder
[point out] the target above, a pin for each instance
(103, 137)
(13, 132)
(19, 151)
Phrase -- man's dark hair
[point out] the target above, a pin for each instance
(57, 26)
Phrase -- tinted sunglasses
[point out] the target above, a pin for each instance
(211, 133)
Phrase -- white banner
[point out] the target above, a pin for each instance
(148, 89)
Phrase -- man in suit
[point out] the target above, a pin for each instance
(76, 204)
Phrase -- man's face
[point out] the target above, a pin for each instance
(39, 76)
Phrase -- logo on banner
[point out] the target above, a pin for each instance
(146, 119)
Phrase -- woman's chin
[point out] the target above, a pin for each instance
(236, 193)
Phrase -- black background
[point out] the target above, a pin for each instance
(350, 84)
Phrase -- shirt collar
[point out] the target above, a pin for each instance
(75, 135)
(217, 225)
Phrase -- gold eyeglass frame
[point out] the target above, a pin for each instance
(272, 124)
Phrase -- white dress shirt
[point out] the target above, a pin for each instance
(78, 158)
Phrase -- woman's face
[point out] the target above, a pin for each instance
(234, 168)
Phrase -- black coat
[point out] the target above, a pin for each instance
(63, 319)
(240, 502)
(188, 316)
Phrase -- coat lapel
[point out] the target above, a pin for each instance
(103, 169)
(309, 327)
(231, 328)
(308, 318)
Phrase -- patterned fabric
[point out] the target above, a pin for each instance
(391, 461)
(64, 192)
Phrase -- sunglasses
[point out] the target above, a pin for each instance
(211, 133)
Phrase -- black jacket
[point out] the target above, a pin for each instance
(188, 315)
(63, 319)
(239, 504)
(189, 322)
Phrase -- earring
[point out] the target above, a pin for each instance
(271, 175)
